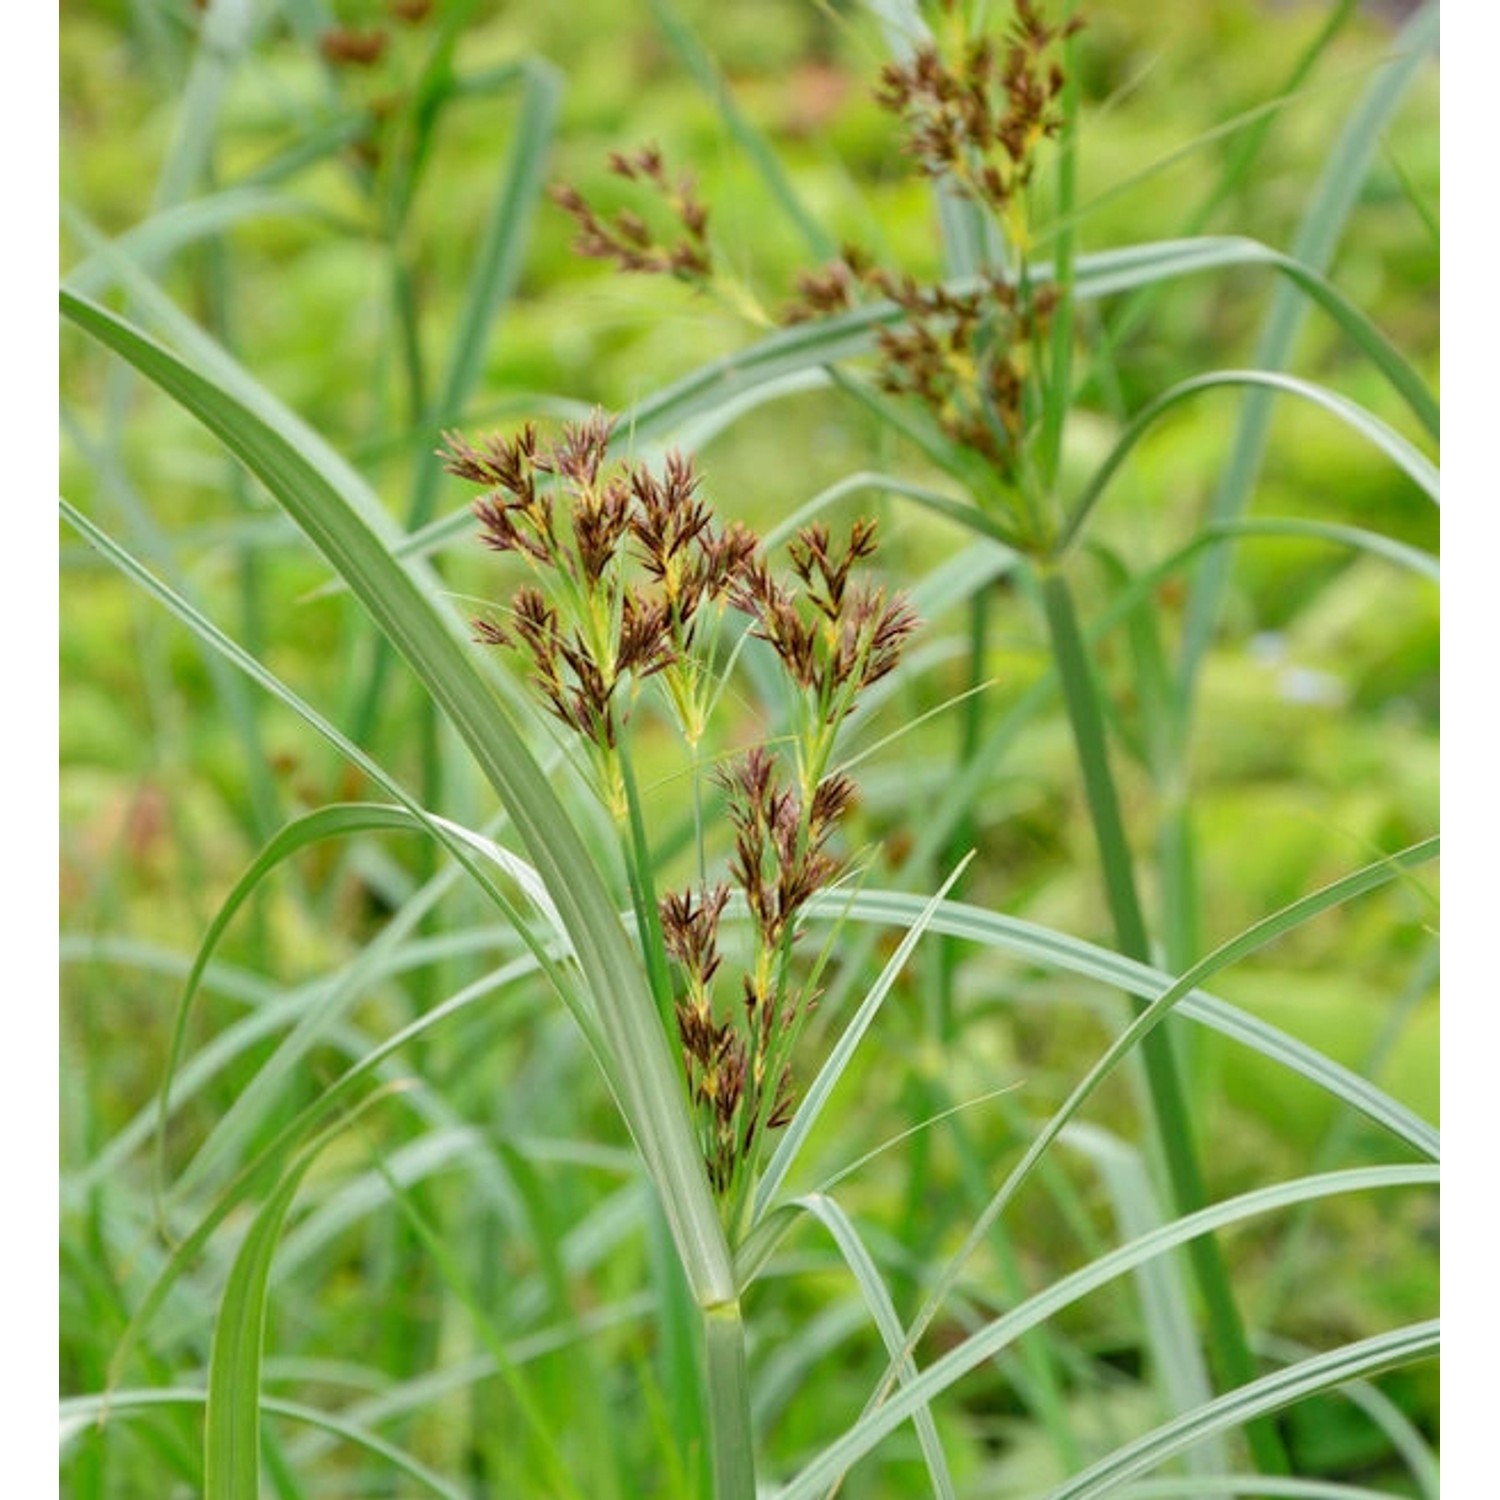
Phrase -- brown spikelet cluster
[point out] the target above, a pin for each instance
(833, 288)
(978, 122)
(625, 239)
(632, 563)
(971, 355)
(739, 1070)
(966, 356)
(350, 47)
(964, 353)
(834, 639)
(713, 1051)
(627, 564)
(780, 859)
(835, 634)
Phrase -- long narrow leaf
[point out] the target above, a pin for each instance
(1317, 237)
(231, 1444)
(883, 1311)
(1385, 1351)
(838, 1061)
(1414, 464)
(1041, 945)
(1176, 1356)
(1272, 1486)
(439, 828)
(338, 821)
(164, 233)
(982, 1346)
(80, 1412)
(1253, 938)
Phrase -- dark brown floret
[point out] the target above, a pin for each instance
(625, 239)
(690, 930)
(957, 115)
(645, 639)
(349, 47)
(601, 517)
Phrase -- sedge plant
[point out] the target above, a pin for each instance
(645, 617)
(980, 376)
(984, 380)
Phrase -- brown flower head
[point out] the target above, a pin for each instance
(834, 639)
(690, 930)
(348, 47)
(625, 239)
(978, 121)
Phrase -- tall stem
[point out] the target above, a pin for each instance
(1173, 1123)
(643, 894)
(729, 1403)
(948, 950)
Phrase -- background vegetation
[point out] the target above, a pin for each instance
(473, 1274)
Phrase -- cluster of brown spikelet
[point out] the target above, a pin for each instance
(977, 122)
(629, 570)
(632, 576)
(625, 239)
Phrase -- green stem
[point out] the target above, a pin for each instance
(949, 950)
(729, 1403)
(1058, 400)
(643, 897)
(1086, 716)
(1173, 1123)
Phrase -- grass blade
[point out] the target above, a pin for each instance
(1317, 237)
(456, 840)
(829, 1074)
(1385, 1351)
(1414, 464)
(1176, 1361)
(1403, 556)
(878, 1300)
(1253, 938)
(982, 1346)
(1161, 990)
(1272, 1486)
(80, 1412)
(231, 1442)
(222, 43)
(342, 820)
(164, 233)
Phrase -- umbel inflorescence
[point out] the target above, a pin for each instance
(633, 581)
(975, 113)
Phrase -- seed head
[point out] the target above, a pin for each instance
(625, 239)
(349, 47)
